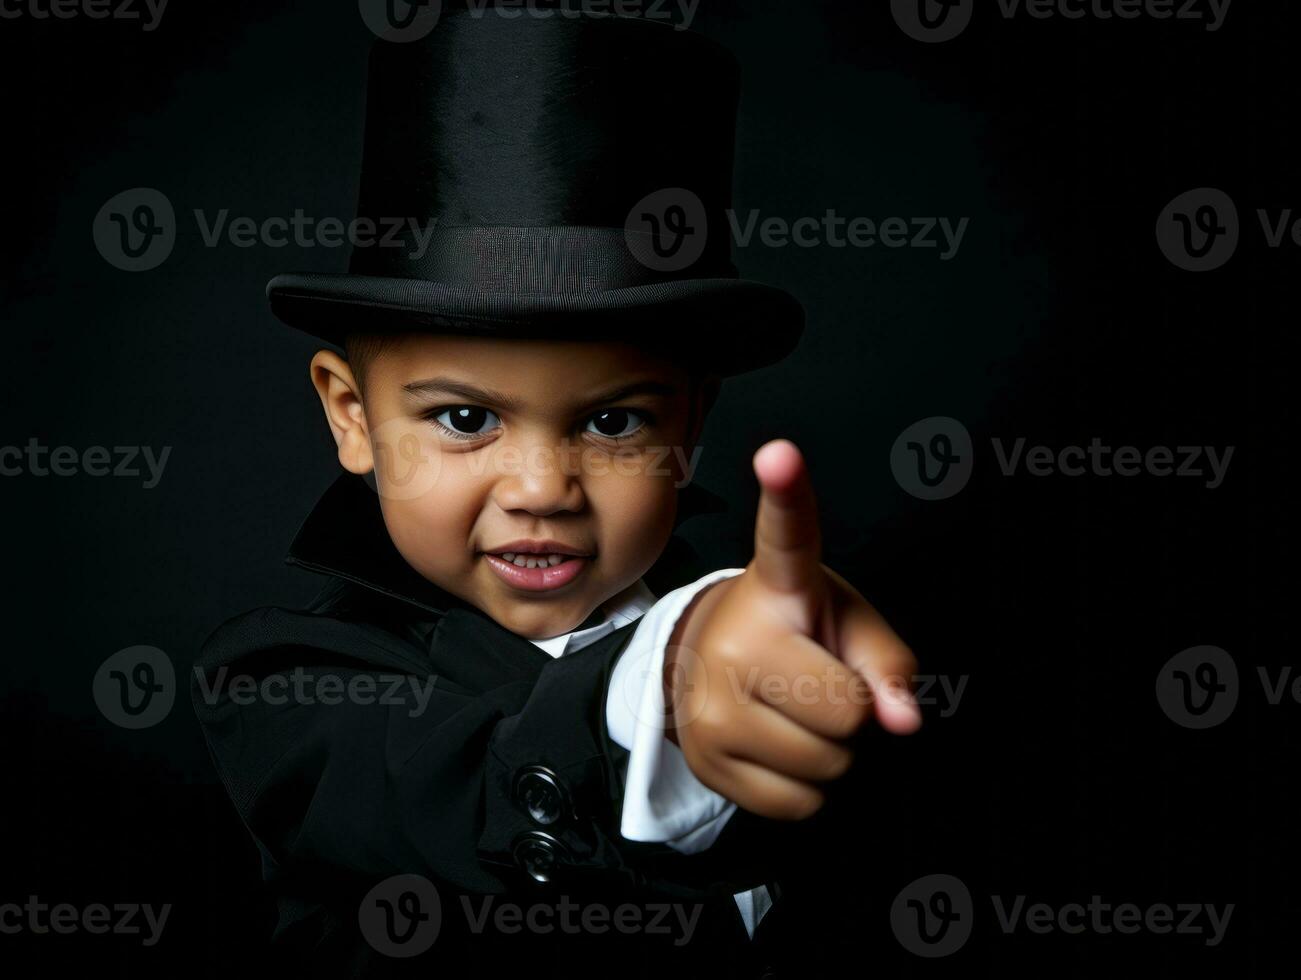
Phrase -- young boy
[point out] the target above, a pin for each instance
(487, 741)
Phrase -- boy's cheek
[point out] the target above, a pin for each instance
(409, 465)
(432, 532)
(635, 516)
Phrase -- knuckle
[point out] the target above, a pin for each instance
(843, 720)
(727, 654)
(836, 763)
(756, 803)
(703, 767)
(794, 803)
(710, 727)
(799, 804)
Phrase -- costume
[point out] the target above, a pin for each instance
(566, 177)
(390, 729)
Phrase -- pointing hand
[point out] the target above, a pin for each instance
(768, 673)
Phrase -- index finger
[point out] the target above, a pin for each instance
(787, 537)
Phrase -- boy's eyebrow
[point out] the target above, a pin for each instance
(489, 396)
(621, 392)
(471, 393)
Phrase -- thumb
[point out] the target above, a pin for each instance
(787, 540)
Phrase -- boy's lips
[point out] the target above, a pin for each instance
(540, 578)
(555, 564)
(538, 546)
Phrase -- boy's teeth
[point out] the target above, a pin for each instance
(532, 561)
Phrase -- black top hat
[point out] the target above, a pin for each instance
(572, 174)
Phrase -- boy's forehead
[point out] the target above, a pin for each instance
(503, 363)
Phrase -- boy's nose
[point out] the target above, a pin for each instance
(543, 483)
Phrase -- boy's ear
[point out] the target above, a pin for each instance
(341, 399)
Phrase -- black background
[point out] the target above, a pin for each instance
(1058, 599)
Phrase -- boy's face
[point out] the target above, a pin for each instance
(492, 455)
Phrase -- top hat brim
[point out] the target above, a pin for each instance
(725, 326)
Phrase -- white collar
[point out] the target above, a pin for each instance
(626, 607)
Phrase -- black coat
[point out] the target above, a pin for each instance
(505, 775)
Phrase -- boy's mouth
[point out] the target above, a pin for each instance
(536, 566)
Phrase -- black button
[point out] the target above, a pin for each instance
(539, 855)
(542, 795)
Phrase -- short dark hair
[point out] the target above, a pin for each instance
(360, 349)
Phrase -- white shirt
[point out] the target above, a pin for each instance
(663, 800)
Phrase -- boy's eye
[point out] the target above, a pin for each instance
(615, 422)
(468, 420)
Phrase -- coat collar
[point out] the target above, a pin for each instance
(344, 536)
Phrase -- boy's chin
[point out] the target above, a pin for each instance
(538, 620)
